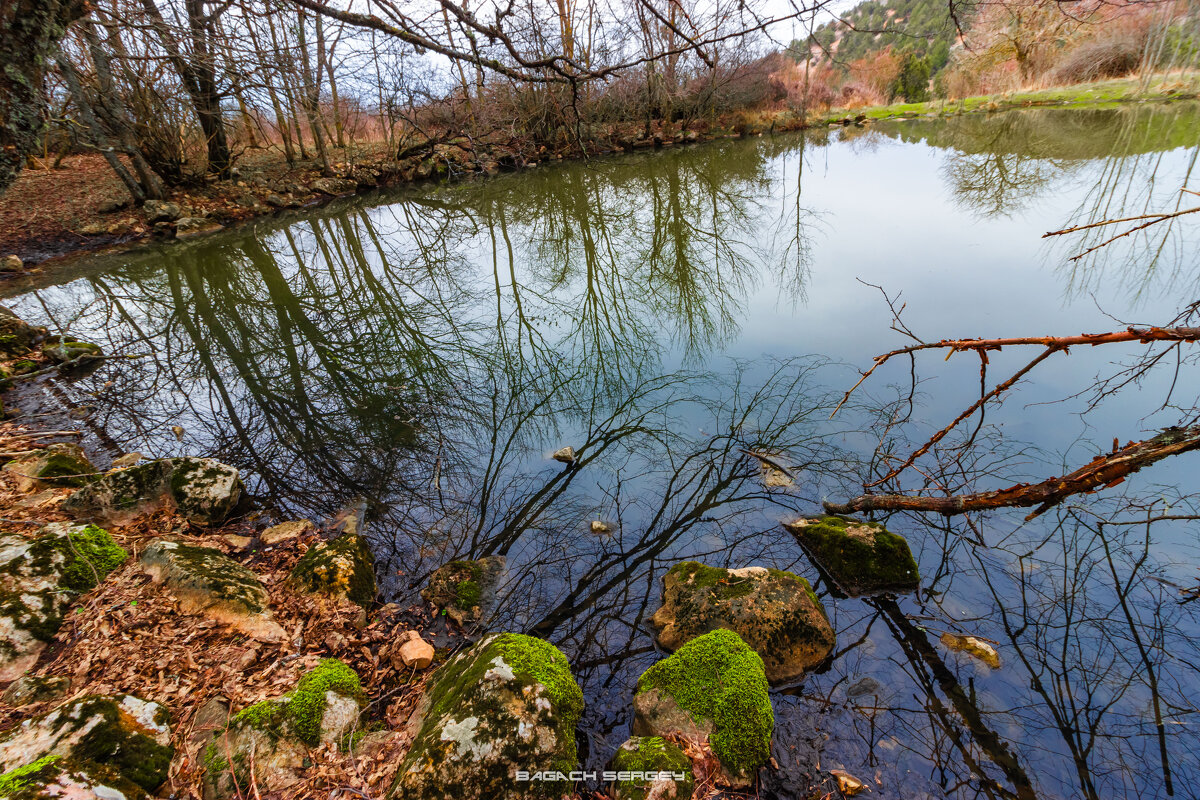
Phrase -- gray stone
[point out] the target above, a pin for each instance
(161, 211)
(209, 583)
(203, 490)
(29, 689)
(465, 590)
(334, 186)
(60, 464)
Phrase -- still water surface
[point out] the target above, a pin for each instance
(664, 312)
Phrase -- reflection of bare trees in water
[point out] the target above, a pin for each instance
(428, 354)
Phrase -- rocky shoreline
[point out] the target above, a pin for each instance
(160, 636)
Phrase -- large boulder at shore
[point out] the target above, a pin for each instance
(18, 337)
(38, 576)
(508, 702)
(203, 490)
(773, 611)
(343, 567)
(861, 558)
(712, 689)
(61, 464)
(207, 582)
(124, 733)
(651, 768)
(273, 737)
(465, 590)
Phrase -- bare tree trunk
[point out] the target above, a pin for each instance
(97, 131)
(29, 33)
(199, 78)
(112, 108)
(310, 98)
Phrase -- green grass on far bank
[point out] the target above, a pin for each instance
(1098, 94)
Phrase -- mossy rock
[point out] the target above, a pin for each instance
(53, 777)
(62, 352)
(775, 612)
(121, 493)
(207, 582)
(343, 567)
(29, 689)
(640, 755)
(18, 337)
(122, 732)
(860, 558)
(62, 464)
(507, 701)
(273, 735)
(465, 590)
(37, 579)
(203, 490)
(713, 687)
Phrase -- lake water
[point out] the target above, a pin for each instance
(427, 349)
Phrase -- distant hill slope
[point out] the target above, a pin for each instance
(921, 26)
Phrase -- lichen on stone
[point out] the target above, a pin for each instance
(860, 557)
(717, 678)
(343, 567)
(98, 729)
(509, 699)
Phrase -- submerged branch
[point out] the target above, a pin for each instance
(1102, 472)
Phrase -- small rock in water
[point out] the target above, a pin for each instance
(863, 687)
(974, 647)
(566, 455)
(847, 783)
(12, 263)
(599, 527)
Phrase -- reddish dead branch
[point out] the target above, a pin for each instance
(1103, 471)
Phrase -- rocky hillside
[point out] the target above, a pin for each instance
(923, 27)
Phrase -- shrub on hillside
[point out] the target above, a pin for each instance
(1116, 52)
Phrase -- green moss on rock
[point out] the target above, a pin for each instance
(860, 557)
(509, 699)
(651, 754)
(775, 612)
(61, 464)
(299, 713)
(718, 679)
(465, 589)
(89, 554)
(123, 733)
(343, 567)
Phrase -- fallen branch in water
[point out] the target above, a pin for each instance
(1102, 472)
(1052, 345)
(1131, 334)
(1154, 219)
